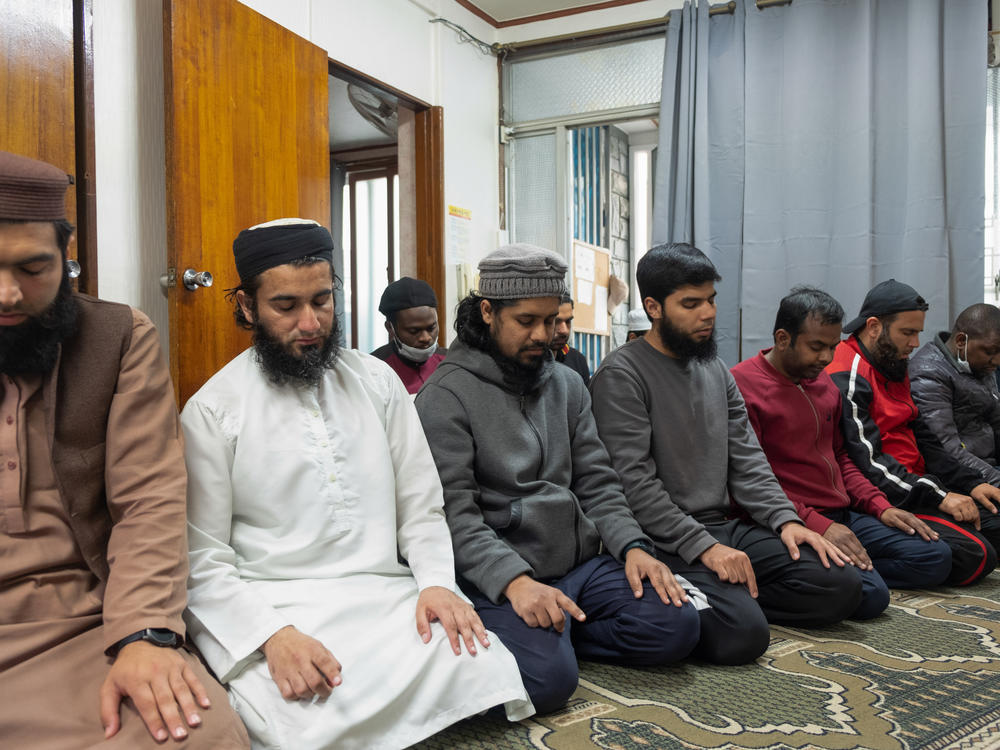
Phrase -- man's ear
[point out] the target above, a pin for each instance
(653, 308)
(872, 329)
(244, 302)
(486, 310)
(782, 339)
(388, 328)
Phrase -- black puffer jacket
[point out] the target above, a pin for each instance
(963, 410)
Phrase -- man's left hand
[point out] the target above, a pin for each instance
(793, 534)
(162, 686)
(986, 495)
(458, 617)
(640, 564)
(906, 521)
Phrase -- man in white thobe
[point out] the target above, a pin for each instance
(322, 577)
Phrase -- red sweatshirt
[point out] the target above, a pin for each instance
(798, 426)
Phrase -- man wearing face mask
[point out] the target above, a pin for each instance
(890, 441)
(410, 310)
(953, 385)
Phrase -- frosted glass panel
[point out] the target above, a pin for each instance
(591, 80)
(533, 190)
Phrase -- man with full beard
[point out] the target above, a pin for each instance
(531, 497)
(92, 494)
(677, 430)
(322, 585)
(887, 438)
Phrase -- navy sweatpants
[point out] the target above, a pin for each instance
(619, 628)
(901, 560)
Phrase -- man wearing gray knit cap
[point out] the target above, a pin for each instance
(537, 515)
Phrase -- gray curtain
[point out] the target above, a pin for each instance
(858, 154)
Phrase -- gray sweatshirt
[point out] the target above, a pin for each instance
(680, 439)
(528, 485)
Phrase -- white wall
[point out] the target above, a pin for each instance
(128, 123)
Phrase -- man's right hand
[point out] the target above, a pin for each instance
(731, 565)
(541, 606)
(845, 540)
(961, 508)
(300, 666)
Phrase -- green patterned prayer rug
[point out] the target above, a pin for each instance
(925, 674)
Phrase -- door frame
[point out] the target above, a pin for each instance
(420, 160)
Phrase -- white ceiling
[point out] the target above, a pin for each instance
(507, 10)
(348, 129)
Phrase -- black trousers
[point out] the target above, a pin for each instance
(734, 630)
(973, 553)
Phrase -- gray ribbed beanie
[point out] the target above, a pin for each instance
(521, 271)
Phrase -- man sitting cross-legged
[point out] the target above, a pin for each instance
(320, 556)
(676, 428)
(531, 497)
(795, 411)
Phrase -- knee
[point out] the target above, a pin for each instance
(652, 632)
(843, 595)
(971, 562)
(935, 564)
(874, 598)
(555, 682)
(740, 641)
(672, 634)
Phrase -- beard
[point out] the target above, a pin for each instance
(886, 358)
(281, 366)
(32, 348)
(519, 377)
(682, 345)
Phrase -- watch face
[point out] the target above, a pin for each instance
(161, 637)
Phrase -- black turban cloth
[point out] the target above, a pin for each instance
(257, 250)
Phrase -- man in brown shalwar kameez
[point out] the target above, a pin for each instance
(93, 559)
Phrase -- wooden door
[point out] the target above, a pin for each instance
(43, 84)
(246, 142)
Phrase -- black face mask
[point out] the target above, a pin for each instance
(32, 348)
(281, 366)
(886, 358)
(682, 345)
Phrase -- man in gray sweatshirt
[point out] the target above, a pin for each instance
(676, 427)
(536, 512)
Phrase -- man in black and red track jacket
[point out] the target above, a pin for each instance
(887, 439)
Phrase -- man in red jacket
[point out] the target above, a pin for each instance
(795, 410)
(890, 443)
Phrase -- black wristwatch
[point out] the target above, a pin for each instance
(639, 544)
(157, 636)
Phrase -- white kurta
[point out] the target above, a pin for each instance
(298, 501)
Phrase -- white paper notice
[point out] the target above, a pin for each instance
(601, 308)
(459, 235)
(584, 264)
(584, 293)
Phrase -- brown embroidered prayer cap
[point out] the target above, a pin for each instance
(31, 190)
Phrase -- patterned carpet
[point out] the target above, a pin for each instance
(925, 674)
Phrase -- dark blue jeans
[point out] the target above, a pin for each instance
(901, 560)
(619, 628)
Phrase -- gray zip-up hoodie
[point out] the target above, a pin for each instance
(528, 485)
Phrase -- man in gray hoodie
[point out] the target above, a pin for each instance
(537, 515)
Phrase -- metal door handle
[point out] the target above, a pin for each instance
(193, 279)
(73, 269)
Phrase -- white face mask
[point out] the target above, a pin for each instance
(962, 360)
(412, 353)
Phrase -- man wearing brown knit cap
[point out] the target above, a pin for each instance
(92, 507)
